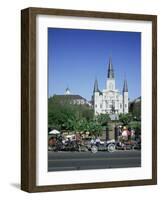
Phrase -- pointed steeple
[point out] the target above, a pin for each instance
(110, 69)
(125, 87)
(67, 91)
(95, 86)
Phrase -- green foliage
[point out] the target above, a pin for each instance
(135, 109)
(125, 118)
(131, 121)
(72, 117)
(95, 128)
(63, 115)
(136, 125)
(103, 119)
(66, 116)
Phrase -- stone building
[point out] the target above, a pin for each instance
(70, 98)
(110, 100)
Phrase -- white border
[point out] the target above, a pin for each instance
(43, 177)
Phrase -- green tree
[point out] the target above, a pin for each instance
(102, 119)
(65, 116)
(136, 125)
(125, 118)
(95, 128)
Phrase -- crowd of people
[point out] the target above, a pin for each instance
(126, 134)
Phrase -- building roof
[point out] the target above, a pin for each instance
(70, 97)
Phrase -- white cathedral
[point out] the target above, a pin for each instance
(110, 100)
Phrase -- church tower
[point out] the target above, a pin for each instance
(110, 100)
(97, 98)
(110, 83)
(125, 97)
(67, 91)
(95, 86)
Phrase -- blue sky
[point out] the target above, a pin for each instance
(76, 57)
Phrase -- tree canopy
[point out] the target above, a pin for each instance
(74, 117)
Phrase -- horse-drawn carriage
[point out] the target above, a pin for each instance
(59, 144)
(72, 143)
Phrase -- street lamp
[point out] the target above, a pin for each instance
(115, 118)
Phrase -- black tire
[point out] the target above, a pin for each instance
(111, 147)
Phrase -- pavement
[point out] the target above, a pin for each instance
(63, 161)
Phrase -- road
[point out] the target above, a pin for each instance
(62, 161)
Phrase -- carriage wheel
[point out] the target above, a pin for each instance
(94, 149)
(111, 148)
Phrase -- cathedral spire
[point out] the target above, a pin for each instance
(125, 87)
(110, 69)
(96, 86)
(67, 91)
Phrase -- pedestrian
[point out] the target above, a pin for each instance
(124, 134)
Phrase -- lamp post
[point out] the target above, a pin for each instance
(115, 129)
(107, 133)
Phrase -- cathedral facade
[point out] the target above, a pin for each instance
(110, 100)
